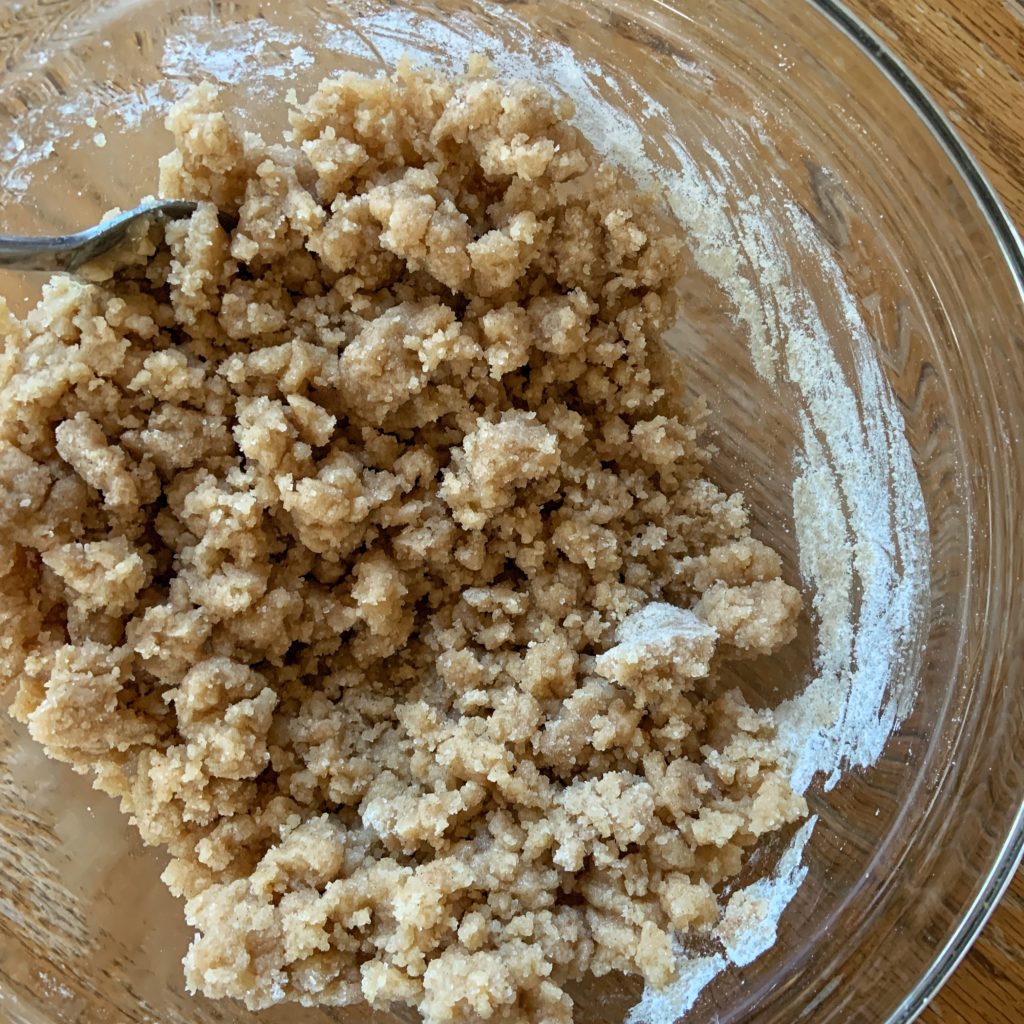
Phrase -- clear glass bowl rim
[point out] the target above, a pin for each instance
(1011, 245)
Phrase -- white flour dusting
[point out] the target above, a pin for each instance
(747, 930)
(857, 505)
(667, 1004)
(234, 54)
(751, 918)
(660, 623)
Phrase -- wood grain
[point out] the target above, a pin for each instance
(969, 55)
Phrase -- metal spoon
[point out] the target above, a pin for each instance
(69, 252)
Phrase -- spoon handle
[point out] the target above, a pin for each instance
(69, 252)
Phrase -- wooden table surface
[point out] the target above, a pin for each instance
(969, 55)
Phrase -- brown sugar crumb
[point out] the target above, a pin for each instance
(365, 552)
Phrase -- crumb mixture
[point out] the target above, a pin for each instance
(356, 535)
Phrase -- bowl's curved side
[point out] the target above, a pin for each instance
(1008, 858)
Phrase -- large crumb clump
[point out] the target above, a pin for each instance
(356, 536)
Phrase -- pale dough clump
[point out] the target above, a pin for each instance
(356, 536)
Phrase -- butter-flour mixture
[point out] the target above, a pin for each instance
(357, 536)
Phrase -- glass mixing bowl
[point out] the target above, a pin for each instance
(806, 156)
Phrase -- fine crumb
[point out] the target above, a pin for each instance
(366, 552)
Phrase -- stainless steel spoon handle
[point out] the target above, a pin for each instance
(69, 252)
